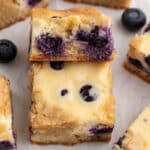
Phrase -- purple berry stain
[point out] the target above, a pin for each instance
(100, 130)
(33, 3)
(99, 42)
(50, 45)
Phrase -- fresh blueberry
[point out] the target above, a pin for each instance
(57, 65)
(136, 63)
(86, 94)
(32, 3)
(64, 92)
(50, 45)
(133, 19)
(8, 51)
(147, 60)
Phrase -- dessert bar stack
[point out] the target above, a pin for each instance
(71, 76)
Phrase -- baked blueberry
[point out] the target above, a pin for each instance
(64, 92)
(97, 131)
(32, 3)
(87, 94)
(8, 51)
(147, 60)
(50, 45)
(133, 19)
(136, 63)
(6, 145)
(57, 65)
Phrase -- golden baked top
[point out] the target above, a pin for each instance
(77, 93)
(76, 34)
(140, 44)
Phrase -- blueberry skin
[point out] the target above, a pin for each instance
(8, 51)
(133, 19)
(57, 65)
(64, 92)
(85, 93)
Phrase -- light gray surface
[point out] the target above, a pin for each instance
(132, 94)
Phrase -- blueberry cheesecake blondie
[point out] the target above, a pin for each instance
(107, 3)
(71, 102)
(7, 135)
(138, 135)
(16, 10)
(78, 34)
(138, 57)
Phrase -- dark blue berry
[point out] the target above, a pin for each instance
(86, 95)
(8, 51)
(147, 60)
(82, 36)
(119, 143)
(33, 3)
(97, 131)
(50, 45)
(64, 92)
(136, 63)
(133, 19)
(57, 65)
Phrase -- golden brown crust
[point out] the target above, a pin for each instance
(103, 138)
(136, 71)
(40, 58)
(14, 13)
(122, 4)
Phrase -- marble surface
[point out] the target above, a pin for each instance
(132, 94)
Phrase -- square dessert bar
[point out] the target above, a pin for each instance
(7, 135)
(107, 3)
(138, 57)
(78, 34)
(71, 102)
(137, 137)
(16, 10)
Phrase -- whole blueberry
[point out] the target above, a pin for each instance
(64, 92)
(133, 19)
(86, 94)
(8, 51)
(57, 65)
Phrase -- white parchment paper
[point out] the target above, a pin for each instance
(132, 94)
